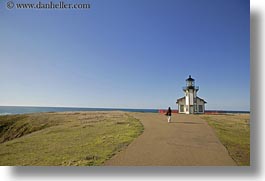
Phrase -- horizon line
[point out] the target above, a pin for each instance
(108, 107)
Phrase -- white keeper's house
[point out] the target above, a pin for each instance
(191, 103)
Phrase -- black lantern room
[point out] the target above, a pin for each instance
(190, 82)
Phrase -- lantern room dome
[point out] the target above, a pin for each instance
(190, 79)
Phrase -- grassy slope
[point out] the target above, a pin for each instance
(84, 138)
(234, 133)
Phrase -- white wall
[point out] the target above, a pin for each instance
(191, 97)
(187, 99)
(181, 102)
(200, 102)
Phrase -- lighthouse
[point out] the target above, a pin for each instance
(191, 103)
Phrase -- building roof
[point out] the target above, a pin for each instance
(201, 99)
(180, 99)
(189, 79)
(196, 97)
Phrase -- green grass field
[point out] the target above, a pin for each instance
(234, 133)
(66, 139)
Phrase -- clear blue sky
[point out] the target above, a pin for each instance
(126, 54)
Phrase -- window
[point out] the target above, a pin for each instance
(200, 108)
(181, 108)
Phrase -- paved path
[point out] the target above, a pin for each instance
(187, 141)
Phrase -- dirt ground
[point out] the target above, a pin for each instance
(186, 141)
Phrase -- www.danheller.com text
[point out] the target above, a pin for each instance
(48, 5)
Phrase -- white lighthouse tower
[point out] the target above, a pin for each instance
(190, 103)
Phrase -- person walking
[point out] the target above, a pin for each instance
(169, 115)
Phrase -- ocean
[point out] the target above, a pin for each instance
(7, 110)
